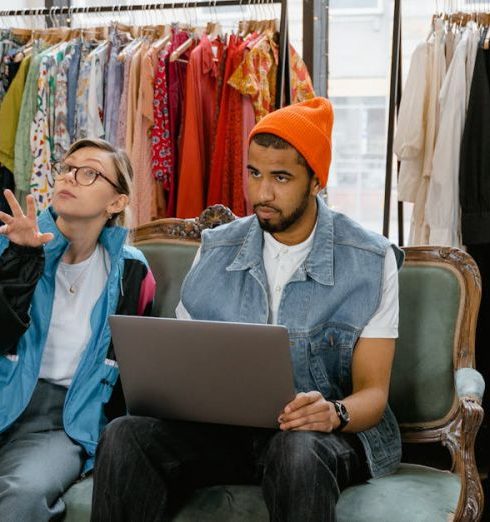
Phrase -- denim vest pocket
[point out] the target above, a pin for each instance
(330, 360)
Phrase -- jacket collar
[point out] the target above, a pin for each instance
(319, 263)
(111, 238)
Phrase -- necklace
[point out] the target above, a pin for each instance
(73, 286)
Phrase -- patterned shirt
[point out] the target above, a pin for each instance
(256, 76)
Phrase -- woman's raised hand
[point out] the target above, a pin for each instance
(19, 228)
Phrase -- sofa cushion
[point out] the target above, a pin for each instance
(78, 500)
(413, 494)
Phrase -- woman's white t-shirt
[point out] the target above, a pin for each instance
(70, 328)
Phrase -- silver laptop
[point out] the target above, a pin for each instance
(204, 371)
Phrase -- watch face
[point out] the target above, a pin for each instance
(342, 413)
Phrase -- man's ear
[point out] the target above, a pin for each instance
(118, 205)
(315, 185)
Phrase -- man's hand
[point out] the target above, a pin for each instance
(19, 228)
(309, 412)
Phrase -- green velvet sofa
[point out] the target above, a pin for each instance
(435, 391)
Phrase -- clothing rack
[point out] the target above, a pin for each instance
(395, 99)
(283, 89)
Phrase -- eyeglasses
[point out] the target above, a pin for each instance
(84, 176)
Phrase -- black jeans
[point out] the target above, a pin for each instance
(146, 468)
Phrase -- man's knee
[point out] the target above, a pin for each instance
(124, 432)
(297, 450)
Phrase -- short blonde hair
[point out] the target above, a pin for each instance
(122, 166)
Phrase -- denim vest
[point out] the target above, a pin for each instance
(325, 305)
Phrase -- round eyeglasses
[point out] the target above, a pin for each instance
(84, 176)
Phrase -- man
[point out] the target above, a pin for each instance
(335, 286)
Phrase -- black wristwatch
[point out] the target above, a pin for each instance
(342, 414)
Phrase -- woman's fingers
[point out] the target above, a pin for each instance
(6, 218)
(31, 207)
(13, 203)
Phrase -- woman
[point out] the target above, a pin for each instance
(61, 276)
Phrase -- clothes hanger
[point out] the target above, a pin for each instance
(181, 50)
(243, 23)
(165, 34)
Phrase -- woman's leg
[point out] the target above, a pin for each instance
(35, 470)
(38, 461)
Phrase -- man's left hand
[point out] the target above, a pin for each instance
(309, 412)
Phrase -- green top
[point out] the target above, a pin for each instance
(23, 155)
(9, 112)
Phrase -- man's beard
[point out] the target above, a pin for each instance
(284, 221)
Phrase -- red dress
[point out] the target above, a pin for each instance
(199, 127)
(225, 185)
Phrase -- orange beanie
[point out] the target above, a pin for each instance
(306, 126)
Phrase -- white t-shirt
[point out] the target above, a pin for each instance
(69, 329)
(281, 261)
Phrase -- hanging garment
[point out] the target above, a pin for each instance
(95, 96)
(162, 157)
(61, 133)
(419, 230)
(72, 82)
(113, 86)
(143, 202)
(42, 140)
(474, 181)
(89, 110)
(11, 43)
(417, 129)
(442, 209)
(227, 163)
(9, 112)
(133, 90)
(248, 123)
(176, 75)
(256, 75)
(408, 144)
(473, 44)
(199, 128)
(132, 132)
(6, 182)
(23, 155)
(127, 56)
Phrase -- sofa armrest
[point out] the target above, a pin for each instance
(469, 384)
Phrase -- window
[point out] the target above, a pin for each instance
(356, 181)
(356, 6)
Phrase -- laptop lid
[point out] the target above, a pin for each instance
(204, 371)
